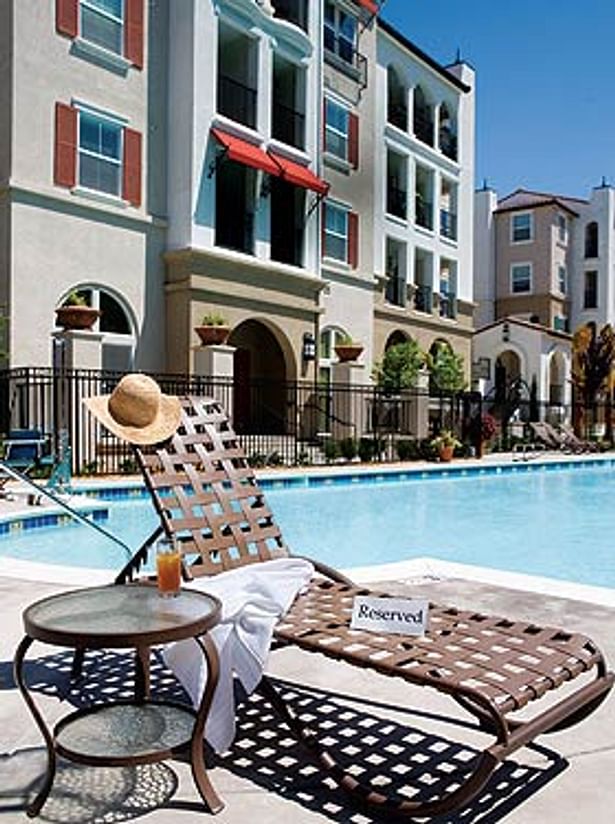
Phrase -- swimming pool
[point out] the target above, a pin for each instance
(557, 524)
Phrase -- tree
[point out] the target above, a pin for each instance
(446, 368)
(593, 357)
(399, 367)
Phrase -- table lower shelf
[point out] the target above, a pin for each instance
(125, 733)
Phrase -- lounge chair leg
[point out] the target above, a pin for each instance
(77, 667)
(366, 796)
(142, 673)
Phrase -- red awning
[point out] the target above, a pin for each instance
(370, 5)
(299, 175)
(247, 153)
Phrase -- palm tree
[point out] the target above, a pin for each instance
(593, 355)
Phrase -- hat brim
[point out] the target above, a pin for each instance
(160, 429)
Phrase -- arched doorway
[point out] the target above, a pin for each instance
(260, 379)
(507, 371)
(394, 338)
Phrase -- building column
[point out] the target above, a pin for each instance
(349, 412)
(217, 362)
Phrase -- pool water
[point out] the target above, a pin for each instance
(558, 524)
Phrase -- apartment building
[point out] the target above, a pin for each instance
(544, 265)
(82, 193)
(298, 167)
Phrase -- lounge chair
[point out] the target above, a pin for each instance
(207, 496)
(551, 439)
(25, 450)
(580, 444)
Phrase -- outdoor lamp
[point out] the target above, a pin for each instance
(309, 347)
(505, 332)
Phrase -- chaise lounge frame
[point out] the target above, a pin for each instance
(207, 497)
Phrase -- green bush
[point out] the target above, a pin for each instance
(407, 450)
(368, 448)
(331, 449)
(275, 459)
(348, 448)
(257, 460)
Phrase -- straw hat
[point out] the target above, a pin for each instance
(137, 411)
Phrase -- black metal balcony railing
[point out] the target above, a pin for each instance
(448, 142)
(395, 289)
(288, 125)
(236, 100)
(235, 230)
(397, 201)
(295, 11)
(397, 114)
(448, 224)
(448, 305)
(423, 124)
(424, 213)
(341, 53)
(423, 298)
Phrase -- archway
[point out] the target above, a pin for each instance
(507, 370)
(260, 379)
(557, 378)
(396, 337)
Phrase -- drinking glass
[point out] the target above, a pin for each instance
(168, 567)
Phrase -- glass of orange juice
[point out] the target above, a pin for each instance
(168, 567)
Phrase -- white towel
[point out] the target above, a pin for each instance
(253, 599)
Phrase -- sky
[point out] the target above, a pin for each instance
(545, 90)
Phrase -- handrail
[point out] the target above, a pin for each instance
(42, 490)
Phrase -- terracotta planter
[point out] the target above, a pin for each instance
(77, 317)
(211, 335)
(446, 453)
(347, 352)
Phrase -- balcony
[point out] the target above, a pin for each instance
(398, 115)
(294, 11)
(423, 298)
(340, 53)
(288, 125)
(448, 224)
(448, 305)
(424, 213)
(448, 143)
(236, 100)
(397, 201)
(423, 124)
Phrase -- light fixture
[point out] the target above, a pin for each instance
(309, 347)
(505, 332)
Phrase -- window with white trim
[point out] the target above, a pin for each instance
(590, 290)
(336, 232)
(99, 153)
(340, 31)
(520, 278)
(562, 228)
(562, 279)
(521, 227)
(337, 126)
(102, 23)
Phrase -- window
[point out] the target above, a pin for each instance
(562, 279)
(340, 32)
(100, 154)
(235, 187)
(521, 277)
(340, 234)
(102, 22)
(560, 323)
(337, 120)
(521, 227)
(591, 240)
(397, 103)
(111, 26)
(562, 228)
(423, 119)
(590, 292)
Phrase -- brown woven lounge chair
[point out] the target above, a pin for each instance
(207, 496)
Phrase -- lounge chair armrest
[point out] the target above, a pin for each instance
(327, 571)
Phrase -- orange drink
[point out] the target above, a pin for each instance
(168, 568)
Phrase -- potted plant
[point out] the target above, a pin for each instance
(76, 313)
(347, 349)
(214, 329)
(445, 443)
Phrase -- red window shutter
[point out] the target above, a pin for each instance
(65, 155)
(133, 33)
(353, 239)
(66, 17)
(131, 181)
(353, 140)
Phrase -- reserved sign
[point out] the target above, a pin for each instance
(396, 615)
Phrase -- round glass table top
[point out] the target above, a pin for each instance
(120, 616)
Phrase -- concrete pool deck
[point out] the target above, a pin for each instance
(565, 777)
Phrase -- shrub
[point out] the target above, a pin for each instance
(348, 448)
(407, 450)
(399, 367)
(213, 319)
(275, 459)
(331, 449)
(257, 460)
(368, 448)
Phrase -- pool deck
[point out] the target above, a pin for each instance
(565, 778)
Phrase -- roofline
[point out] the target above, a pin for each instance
(525, 207)
(538, 327)
(547, 194)
(417, 52)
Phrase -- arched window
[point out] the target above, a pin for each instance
(447, 133)
(397, 104)
(591, 240)
(423, 117)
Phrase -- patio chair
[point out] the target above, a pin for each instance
(580, 444)
(25, 450)
(549, 437)
(207, 496)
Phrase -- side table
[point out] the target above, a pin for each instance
(120, 733)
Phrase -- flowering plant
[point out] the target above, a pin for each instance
(445, 438)
(488, 426)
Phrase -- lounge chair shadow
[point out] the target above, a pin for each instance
(392, 756)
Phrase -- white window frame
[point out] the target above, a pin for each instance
(512, 227)
(336, 30)
(518, 265)
(114, 121)
(596, 292)
(92, 6)
(341, 208)
(562, 268)
(337, 132)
